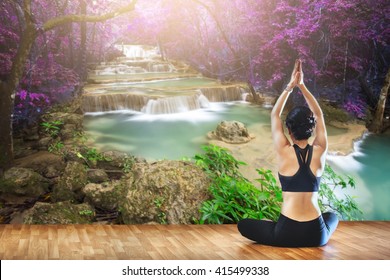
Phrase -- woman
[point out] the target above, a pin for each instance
(300, 165)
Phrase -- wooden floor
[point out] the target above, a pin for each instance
(352, 241)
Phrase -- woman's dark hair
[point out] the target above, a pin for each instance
(300, 122)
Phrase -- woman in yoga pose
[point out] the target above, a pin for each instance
(300, 165)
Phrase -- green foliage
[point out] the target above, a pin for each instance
(128, 164)
(52, 128)
(346, 208)
(269, 186)
(159, 203)
(234, 198)
(218, 162)
(86, 213)
(57, 147)
(91, 156)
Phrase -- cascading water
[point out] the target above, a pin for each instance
(142, 84)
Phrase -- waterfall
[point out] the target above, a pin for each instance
(224, 94)
(113, 102)
(159, 67)
(148, 105)
(138, 52)
(119, 69)
(123, 85)
(176, 104)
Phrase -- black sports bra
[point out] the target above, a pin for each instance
(304, 180)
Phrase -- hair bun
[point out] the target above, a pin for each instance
(301, 122)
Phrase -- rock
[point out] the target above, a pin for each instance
(70, 183)
(97, 176)
(164, 192)
(115, 160)
(59, 213)
(68, 131)
(43, 143)
(104, 196)
(23, 182)
(232, 132)
(43, 162)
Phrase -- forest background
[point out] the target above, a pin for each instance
(45, 50)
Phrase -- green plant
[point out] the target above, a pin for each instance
(56, 147)
(346, 207)
(217, 162)
(236, 199)
(271, 188)
(159, 202)
(52, 128)
(91, 156)
(86, 213)
(233, 196)
(127, 164)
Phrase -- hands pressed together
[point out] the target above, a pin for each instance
(296, 76)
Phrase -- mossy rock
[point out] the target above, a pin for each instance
(70, 183)
(104, 196)
(168, 192)
(59, 213)
(23, 182)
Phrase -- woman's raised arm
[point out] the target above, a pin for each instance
(321, 138)
(279, 138)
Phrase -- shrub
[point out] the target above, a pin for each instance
(346, 208)
(233, 196)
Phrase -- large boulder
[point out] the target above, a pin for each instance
(232, 132)
(23, 182)
(70, 183)
(164, 192)
(105, 196)
(59, 213)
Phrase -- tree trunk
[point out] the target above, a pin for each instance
(377, 123)
(6, 141)
(253, 92)
(82, 67)
(7, 97)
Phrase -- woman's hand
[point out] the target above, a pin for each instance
(294, 76)
(300, 81)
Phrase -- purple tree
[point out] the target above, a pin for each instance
(30, 29)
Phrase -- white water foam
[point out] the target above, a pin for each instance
(348, 165)
(193, 116)
(349, 161)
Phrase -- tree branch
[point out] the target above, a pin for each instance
(52, 23)
(219, 26)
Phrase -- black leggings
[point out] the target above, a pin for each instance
(287, 232)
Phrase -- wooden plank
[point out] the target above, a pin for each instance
(351, 241)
